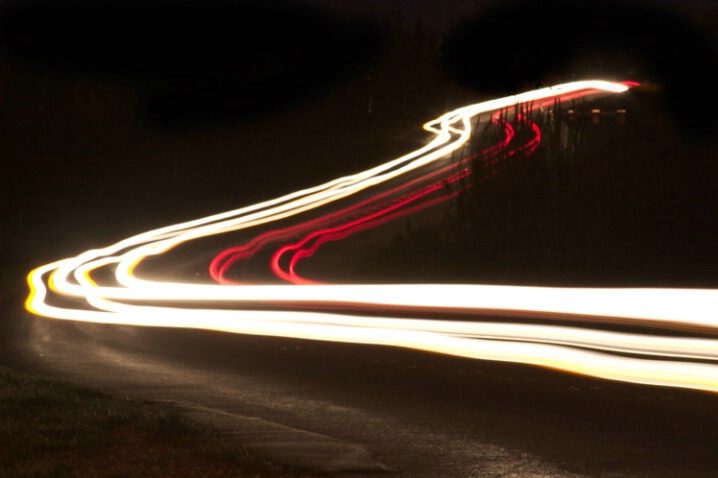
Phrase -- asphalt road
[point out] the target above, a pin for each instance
(374, 410)
(340, 407)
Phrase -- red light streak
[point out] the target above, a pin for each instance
(395, 314)
(395, 210)
(368, 210)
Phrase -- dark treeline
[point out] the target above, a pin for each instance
(95, 150)
(520, 43)
(106, 133)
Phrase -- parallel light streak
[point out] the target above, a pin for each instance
(422, 198)
(391, 314)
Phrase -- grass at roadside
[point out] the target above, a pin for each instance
(56, 430)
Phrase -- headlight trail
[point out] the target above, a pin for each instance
(674, 341)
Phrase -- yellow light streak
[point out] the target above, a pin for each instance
(688, 362)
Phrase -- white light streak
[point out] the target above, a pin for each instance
(361, 313)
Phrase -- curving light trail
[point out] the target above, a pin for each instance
(578, 330)
(429, 195)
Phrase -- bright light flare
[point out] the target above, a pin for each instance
(567, 338)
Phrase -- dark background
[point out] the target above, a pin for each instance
(119, 116)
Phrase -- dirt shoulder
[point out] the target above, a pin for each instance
(53, 429)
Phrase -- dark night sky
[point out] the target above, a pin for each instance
(446, 13)
(179, 46)
(249, 58)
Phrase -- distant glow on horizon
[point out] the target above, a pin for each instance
(360, 313)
